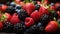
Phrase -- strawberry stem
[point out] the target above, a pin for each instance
(27, 1)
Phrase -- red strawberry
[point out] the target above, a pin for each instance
(35, 15)
(43, 10)
(14, 19)
(3, 7)
(29, 21)
(51, 27)
(8, 16)
(29, 7)
(1, 25)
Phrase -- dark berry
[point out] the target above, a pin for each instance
(18, 7)
(52, 4)
(19, 27)
(33, 28)
(17, 10)
(12, 4)
(37, 6)
(8, 27)
(45, 19)
(22, 14)
(10, 10)
(40, 28)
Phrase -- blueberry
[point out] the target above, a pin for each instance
(18, 7)
(52, 4)
(12, 4)
(22, 14)
(17, 10)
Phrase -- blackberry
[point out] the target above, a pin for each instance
(19, 27)
(10, 10)
(37, 6)
(7, 27)
(33, 29)
(22, 14)
(45, 19)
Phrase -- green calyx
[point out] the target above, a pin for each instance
(26, 1)
(3, 18)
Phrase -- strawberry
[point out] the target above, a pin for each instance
(51, 27)
(29, 7)
(43, 10)
(35, 15)
(1, 25)
(3, 7)
(29, 21)
(14, 19)
(8, 16)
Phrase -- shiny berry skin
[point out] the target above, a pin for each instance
(52, 26)
(18, 7)
(35, 15)
(29, 21)
(12, 4)
(22, 14)
(29, 7)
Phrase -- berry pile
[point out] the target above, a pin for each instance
(30, 16)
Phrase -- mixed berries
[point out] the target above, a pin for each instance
(30, 16)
